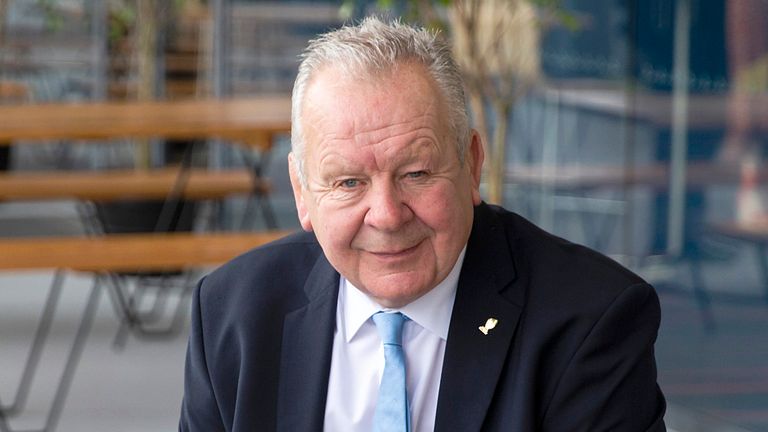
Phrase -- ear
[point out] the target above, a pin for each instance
(298, 193)
(474, 159)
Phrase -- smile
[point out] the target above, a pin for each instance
(395, 254)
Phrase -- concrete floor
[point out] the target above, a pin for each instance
(137, 388)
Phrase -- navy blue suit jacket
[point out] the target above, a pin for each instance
(573, 349)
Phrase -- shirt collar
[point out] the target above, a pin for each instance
(432, 311)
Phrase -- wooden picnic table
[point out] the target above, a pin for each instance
(252, 120)
(129, 252)
(112, 185)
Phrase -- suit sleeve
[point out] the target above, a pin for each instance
(199, 409)
(610, 382)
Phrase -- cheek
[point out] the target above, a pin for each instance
(449, 217)
(441, 210)
(337, 226)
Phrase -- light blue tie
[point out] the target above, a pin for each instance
(392, 414)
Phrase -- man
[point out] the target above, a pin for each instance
(508, 328)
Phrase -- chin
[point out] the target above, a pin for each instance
(385, 296)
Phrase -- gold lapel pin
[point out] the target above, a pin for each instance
(489, 325)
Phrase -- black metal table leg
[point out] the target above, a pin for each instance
(86, 322)
(36, 350)
(65, 381)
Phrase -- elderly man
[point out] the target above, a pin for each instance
(409, 304)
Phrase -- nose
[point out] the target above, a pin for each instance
(387, 211)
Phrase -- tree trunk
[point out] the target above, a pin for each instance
(498, 154)
(147, 66)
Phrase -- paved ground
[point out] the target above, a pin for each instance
(137, 388)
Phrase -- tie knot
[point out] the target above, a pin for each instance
(390, 326)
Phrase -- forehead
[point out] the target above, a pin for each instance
(345, 105)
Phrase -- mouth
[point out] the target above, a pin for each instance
(395, 253)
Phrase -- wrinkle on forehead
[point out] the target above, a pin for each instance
(382, 115)
(382, 155)
(367, 119)
(358, 131)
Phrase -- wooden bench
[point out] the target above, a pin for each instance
(253, 121)
(102, 255)
(124, 185)
(109, 254)
(129, 252)
(13, 92)
(112, 185)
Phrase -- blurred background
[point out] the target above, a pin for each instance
(638, 128)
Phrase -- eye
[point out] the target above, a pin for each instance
(349, 183)
(416, 174)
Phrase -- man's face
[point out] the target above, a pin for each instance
(387, 196)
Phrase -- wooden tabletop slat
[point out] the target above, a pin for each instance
(126, 184)
(246, 120)
(129, 252)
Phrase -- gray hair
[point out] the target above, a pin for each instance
(374, 46)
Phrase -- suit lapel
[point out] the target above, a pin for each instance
(306, 354)
(474, 360)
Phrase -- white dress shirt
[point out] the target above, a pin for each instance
(358, 356)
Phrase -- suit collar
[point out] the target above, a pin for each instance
(489, 249)
(473, 360)
(306, 353)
